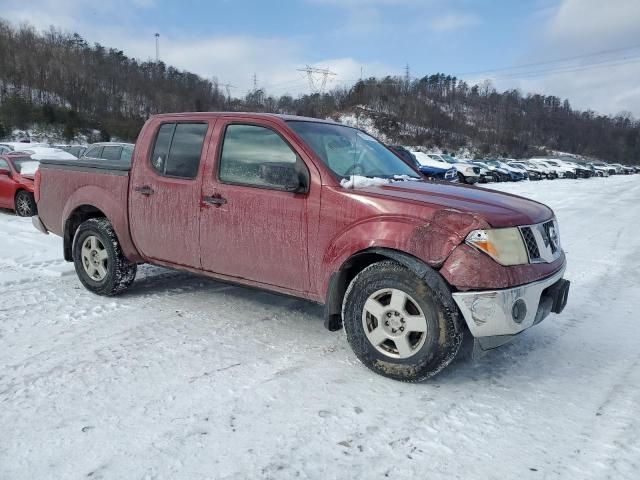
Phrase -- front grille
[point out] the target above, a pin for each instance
(542, 241)
(530, 243)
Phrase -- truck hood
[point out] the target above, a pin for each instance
(497, 208)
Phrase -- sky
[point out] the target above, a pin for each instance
(585, 50)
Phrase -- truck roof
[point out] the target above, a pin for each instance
(247, 115)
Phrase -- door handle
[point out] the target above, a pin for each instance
(217, 200)
(145, 190)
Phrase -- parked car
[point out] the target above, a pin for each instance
(498, 174)
(41, 153)
(109, 151)
(627, 170)
(532, 172)
(581, 171)
(17, 172)
(564, 170)
(548, 170)
(487, 174)
(600, 169)
(428, 169)
(619, 170)
(75, 150)
(467, 171)
(277, 202)
(16, 146)
(510, 174)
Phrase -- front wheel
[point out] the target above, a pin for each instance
(98, 259)
(399, 325)
(25, 204)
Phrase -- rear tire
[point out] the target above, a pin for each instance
(386, 298)
(98, 259)
(25, 204)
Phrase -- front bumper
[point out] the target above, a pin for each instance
(495, 316)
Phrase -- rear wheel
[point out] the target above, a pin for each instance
(25, 204)
(399, 325)
(99, 262)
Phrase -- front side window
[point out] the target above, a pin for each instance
(257, 156)
(348, 151)
(4, 164)
(111, 152)
(177, 150)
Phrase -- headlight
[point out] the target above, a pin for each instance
(468, 169)
(504, 245)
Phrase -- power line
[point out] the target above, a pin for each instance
(548, 62)
(568, 68)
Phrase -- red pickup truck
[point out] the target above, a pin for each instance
(317, 210)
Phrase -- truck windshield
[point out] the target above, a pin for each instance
(348, 151)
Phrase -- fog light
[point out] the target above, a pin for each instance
(519, 311)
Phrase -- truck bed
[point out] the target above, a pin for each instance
(68, 185)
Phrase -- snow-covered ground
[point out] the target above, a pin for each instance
(187, 378)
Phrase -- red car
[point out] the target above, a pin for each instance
(17, 172)
(317, 210)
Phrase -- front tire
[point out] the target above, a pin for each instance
(25, 204)
(399, 325)
(98, 259)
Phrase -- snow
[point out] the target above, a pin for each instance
(184, 377)
(358, 181)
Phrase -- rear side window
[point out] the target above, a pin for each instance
(93, 152)
(112, 152)
(177, 150)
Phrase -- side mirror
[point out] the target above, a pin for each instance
(5, 171)
(284, 175)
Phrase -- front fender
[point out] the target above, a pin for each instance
(113, 204)
(430, 241)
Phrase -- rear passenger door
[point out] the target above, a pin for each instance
(164, 197)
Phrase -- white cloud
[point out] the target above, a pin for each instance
(605, 83)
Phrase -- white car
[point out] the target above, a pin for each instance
(602, 170)
(563, 169)
(545, 167)
(46, 153)
(467, 172)
(19, 146)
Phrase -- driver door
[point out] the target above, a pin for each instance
(250, 226)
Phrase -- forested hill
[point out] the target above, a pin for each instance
(59, 79)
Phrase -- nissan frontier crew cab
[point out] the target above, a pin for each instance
(317, 210)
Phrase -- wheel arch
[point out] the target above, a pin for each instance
(92, 201)
(340, 279)
(77, 217)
